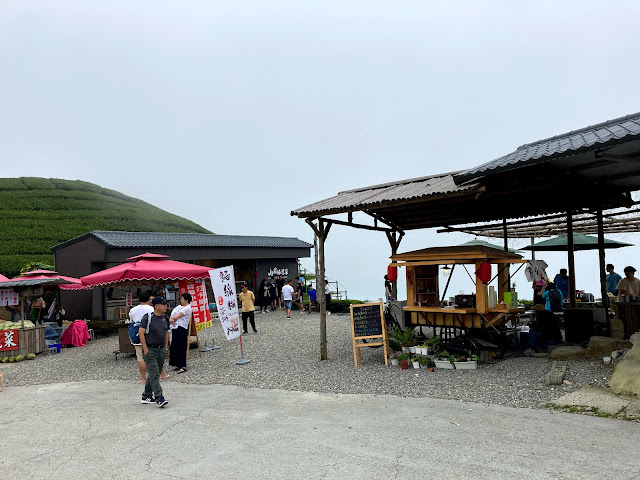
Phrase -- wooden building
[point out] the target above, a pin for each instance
(254, 258)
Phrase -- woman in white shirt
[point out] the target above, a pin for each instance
(180, 318)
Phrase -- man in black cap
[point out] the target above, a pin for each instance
(154, 337)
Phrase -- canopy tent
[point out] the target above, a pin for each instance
(482, 243)
(580, 242)
(148, 267)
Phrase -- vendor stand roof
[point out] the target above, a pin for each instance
(591, 171)
(580, 242)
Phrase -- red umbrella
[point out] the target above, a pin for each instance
(146, 268)
(74, 283)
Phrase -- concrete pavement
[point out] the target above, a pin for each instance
(100, 430)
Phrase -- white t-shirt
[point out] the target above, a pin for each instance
(183, 321)
(137, 312)
(327, 289)
(287, 292)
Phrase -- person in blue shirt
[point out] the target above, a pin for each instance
(553, 296)
(562, 282)
(613, 279)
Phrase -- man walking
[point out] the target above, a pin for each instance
(154, 338)
(248, 309)
(135, 317)
(287, 297)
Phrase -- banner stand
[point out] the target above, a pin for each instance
(242, 361)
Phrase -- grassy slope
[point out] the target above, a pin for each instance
(38, 213)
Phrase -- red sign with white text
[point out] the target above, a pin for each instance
(8, 340)
(199, 301)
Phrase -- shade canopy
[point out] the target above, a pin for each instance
(580, 242)
(148, 267)
(3, 278)
(476, 242)
(47, 275)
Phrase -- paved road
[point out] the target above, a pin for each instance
(99, 430)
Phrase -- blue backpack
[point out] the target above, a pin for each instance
(134, 330)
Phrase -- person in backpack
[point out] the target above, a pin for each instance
(154, 337)
(135, 317)
(553, 296)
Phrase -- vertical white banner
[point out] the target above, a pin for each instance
(223, 282)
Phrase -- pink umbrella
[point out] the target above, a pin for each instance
(148, 267)
(3, 278)
(74, 283)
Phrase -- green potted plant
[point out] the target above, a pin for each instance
(425, 362)
(415, 363)
(403, 338)
(403, 358)
(445, 360)
(432, 344)
(393, 356)
(467, 362)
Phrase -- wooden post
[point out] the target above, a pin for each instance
(571, 261)
(507, 276)
(321, 230)
(394, 241)
(481, 292)
(603, 275)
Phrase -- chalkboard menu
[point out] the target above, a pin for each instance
(367, 320)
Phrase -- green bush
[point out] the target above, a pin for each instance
(342, 306)
(39, 213)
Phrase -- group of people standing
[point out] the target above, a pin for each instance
(152, 341)
(273, 294)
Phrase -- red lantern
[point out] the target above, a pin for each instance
(392, 273)
(484, 272)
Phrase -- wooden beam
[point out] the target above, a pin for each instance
(571, 261)
(601, 261)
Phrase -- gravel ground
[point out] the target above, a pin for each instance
(285, 355)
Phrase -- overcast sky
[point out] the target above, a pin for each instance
(247, 110)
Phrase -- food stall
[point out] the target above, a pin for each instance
(482, 314)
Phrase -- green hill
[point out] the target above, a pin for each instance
(38, 213)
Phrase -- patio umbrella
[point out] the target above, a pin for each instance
(47, 275)
(482, 243)
(580, 242)
(3, 278)
(148, 267)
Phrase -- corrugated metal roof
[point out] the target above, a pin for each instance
(604, 134)
(166, 239)
(384, 194)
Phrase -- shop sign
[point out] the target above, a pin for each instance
(278, 271)
(8, 297)
(535, 271)
(223, 282)
(129, 299)
(8, 340)
(199, 301)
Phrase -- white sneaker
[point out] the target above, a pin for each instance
(267, 311)
(328, 313)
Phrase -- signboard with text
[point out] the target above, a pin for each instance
(223, 282)
(9, 340)
(368, 329)
(199, 301)
(8, 297)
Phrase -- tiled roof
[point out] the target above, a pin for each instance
(604, 134)
(165, 239)
(384, 194)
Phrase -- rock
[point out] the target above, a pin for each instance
(567, 352)
(626, 377)
(617, 328)
(601, 347)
